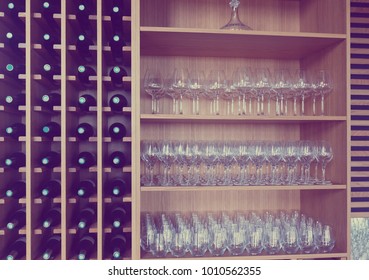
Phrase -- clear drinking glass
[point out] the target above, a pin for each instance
(325, 155)
(154, 85)
(323, 86)
(179, 84)
(196, 88)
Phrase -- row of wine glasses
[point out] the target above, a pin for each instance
(360, 238)
(238, 233)
(245, 91)
(211, 163)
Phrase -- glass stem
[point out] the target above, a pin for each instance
(181, 104)
(295, 106)
(194, 111)
(153, 110)
(322, 105)
(314, 105)
(302, 104)
(197, 105)
(239, 106)
(277, 109)
(244, 105)
(151, 170)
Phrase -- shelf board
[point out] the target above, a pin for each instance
(9, 139)
(56, 109)
(259, 257)
(109, 140)
(20, 170)
(5, 200)
(43, 169)
(124, 18)
(74, 200)
(125, 229)
(226, 118)
(125, 169)
(125, 110)
(41, 200)
(125, 198)
(44, 139)
(240, 188)
(41, 231)
(169, 41)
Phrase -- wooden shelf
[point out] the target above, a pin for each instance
(167, 41)
(127, 228)
(9, 139)
(226, 118)
(240, 188)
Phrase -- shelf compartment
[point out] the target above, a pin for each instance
(165, 41)
(240, 188)
(226, 118)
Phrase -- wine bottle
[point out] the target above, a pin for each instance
(117, 131)
(13, 40)
(84, 74)
(117, 102)
(15, 160)
(86, 101)
(83, 47)
(82, 15)
(52, 218)
(86, 188)
(15, 100)
(17, 220)
(52, 248)
(116, 44)
(48, 9)
(86, 217)
(50, 188)
(116, 16)
(116, 74)
(116, 217)
(50, 100)
(48, 43)
(13, 71)
(116, 187)
(16, 130)
(16, 190)
(117, 159)
(118, 244)
(13, 10)
(49, 71)
(86, 159)
(84, 131)
(17, 250)
(50, 130)
(86, 246)
(50, 159)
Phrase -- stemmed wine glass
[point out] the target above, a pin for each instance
(153, 85)
(217, 83)
(149, 154)
(323, 87)
(325, 155)
(302, 88)
(282, 86)
(262, 87)
(196, 87)
(179, 85)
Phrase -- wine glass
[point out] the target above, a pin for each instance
(196, 87)
(153, 85)
(282, 86)
(217, 83)
(262, 87)
(306, 157)
(323, 86)
(149, 154)
(235, 23)
(325, 155)
(179, 84)
(302, 89)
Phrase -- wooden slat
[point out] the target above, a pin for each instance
(359, 113)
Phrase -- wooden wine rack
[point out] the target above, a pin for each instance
(313, 34)
(69, 116)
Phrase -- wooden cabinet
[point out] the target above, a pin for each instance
(286, 34)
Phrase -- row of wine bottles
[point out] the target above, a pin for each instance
(84, 72)
(117, 102)
(115, 187)
(85, 247)
(115, 218)
(52, 129)
(52, 159)
(82, 45)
